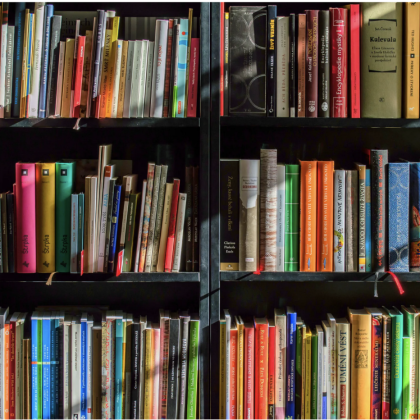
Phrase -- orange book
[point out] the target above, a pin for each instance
(308, 215)
(6, 384)
(325, 213)
(261, 368)
(233, 370)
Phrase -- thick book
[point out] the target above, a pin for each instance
(414, 216)
(170, 243)
(247, 64)
(261, 368)
(291, 234)
(53, 89)
(308, 215)
(271, 61)
(312, 33)
(339, 62)
(293, 33)
(17, 57)
(281, 216)
(282, 67)
(352, 224)
(324, 60)
(280, 321)
(378, 163)
(249, 190)
(339, 220)
(301, 65)
(381, 71)
(398, 216)
(368, 223)
(268, 210)
(174, 353)
(361, 169)
(290, 363)
(25, 222)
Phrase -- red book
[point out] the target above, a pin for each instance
(172, 226)
(354, 60)
(168, 68)
(222, 55)
(261, 368)
(25, 218)
(338, 91)
(6, 383)
(271, 369)
(311, 94)
(249, 371)
(79, 75)
(193, 78)
(12, 367)
(233, 372)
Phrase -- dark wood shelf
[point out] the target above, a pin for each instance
(319, 122)
(70, 123)
(102, 277)
(313, 277)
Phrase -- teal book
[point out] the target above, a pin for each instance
(64, 184)
(118, 367)
(193, 368)
(182, 69)
(396, 362)
(291, 240)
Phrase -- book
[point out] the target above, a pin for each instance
(282, 52)
(291, 246)
(307, 351)
(11, 241)
(343, 367)
(170, 243)
(318, 391)
(290, 363)
(312, 33)
(195, 216)
(280, 366)
(182, 69)
(325, 59)
(23, 79)
(190, 29)
(261, 368)
(111, 189)
(233, 353)
(73, 232)
(185, 323)
(130, 232)
(147, 74)
(193, 77)
(339, 220)
(249, 362)
(281, 216)
(222, 369)
(361, 169)
(3, 53)
(381, 76)
(351, 220)
(188, 229)
(128, 78)
(112, 261)
(60, 71)
(122, 79)
(193, 367)
(368, 223)
(179, 233)
(271, 368)
(165, 227)
(332, 364)
(174, 79)
(271, 60)
(415, 209)
(18, 57)
(140, 227)
(81, 46)
(166, 91)
(292, 64)
(8, 93)
(301, 65)
(67, 76)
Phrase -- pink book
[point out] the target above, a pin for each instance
(354, 71)
(25, 218)
(193, 77)
(155, 373)
(249, 371)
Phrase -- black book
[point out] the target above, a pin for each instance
(135, 369)
(271, 61)
(292, 65)
(226, 65)
(175, 40)
(17, 58)
(324, 64)
(10, 231)
(247, 60)
(173, 367)
(53, 64)
(188, 229)
(183, 371)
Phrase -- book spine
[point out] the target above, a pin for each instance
(114, 229)
(314, 376)
(281, 216)
(271, 371)
(414, 220)
(396, 363)
(368, 224)
(291, 365)
(6, 367)
(116, 79)
(271, 61)
(311, 96)
(168, 68)
(134, 76)
(74, 232)
(122, 79)
(60, 76)
(23, 80)
(147, 76)
(222, 53)
(193, 77)
(173, 369)
(301, 65)
(292, 64)
(12, 370)
(339, 221)
(406, 378)
(282, 68)
(3, 52)
(80, 230)
(386, 367)
(10, 232)
(354, 60)
(280, 368)
(240, 370)
(232, 374)
(135, 371)
(165, 227)
(173, 99)
(362, 217)
(291, 245)
(261, 371)
(179, 233)
(189, 217)
(107, 51)
(193, 370)
(118, 367)
(98, 54)
(83, 371)
(8, 103)
(249, 373)
(172, 228)
(343, 364)
(339, 28)
(398, 220)
(148, 378)
(67, 76)
(87, 65)
(104, 217)
(46, 359)
(129, 237)
(196, 222)
(376, 366)
(307, 379)
(17, 57)
(185, 323)
(225, 51)
(351, 221)
(182, 69)
(81, 43)
(222, 371)
(128, 78)
(324, 64)
(109, 222)
(140, 227)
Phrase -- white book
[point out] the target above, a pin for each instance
(159, 68)
(328, 363)
(128, 78)
(91, 67)
(143, 73)
(282, 61)
(281, 215)
(320, 357)
(73, 232)
(36, 67)
(116, 81)
(66, 365)
(179, 232)
(92, 224)
(343, 362)
(75, 367)
(89, 365)
(135, 81)
(109, 173)
(280, 321)
(140, 230)
(60, 73)
(339, 220)
(333, 365)
(149, 75)
(4, 313)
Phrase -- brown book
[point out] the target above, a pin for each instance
(195, 204)
(96, 371)
(301, 65)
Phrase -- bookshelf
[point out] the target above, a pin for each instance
(176, 142)
(342, 140)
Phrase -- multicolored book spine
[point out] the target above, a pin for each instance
(36, 414)
(339, 220)
(376, 365)
(361, 169)
(271, 369)
(291, 242)
(46, 359)
(291, 363)
(118, 367)
(368, 224)
(182, 69)
(415, 217)
(386, 365)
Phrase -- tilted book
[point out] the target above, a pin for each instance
(282, 67)
(339, 220)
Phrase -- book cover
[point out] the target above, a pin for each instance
(301, 65)
(361, 169)
(282, 105)
(249, 371)
(170, 244)
(67, 76)
(343, 368)
(290, 363)
(291, 234)
(271, 368)
(293, 33)
(182, 69)
(281, 216)
(261, 368)
(325, 56)
(351, 238)
(193, 368)
(339, 220)
(271, 61)
(414, 217)
(17, 57)
(280, 320)
(381, 60)
(312, 33)
(368, 224)
(193, 78)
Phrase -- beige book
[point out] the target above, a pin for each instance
(165, 227)
(68, 71)
(179, 232)
(105, 72)
(86, 73)
(60, 76)
(123, 72)
(96, 371)
(116, 79)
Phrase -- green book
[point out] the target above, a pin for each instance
(396, 362)
(300, 326)
(406, 378)
(129, 232)
(291, 240)
(314, 376)
(64, 184)
(193, 368)
(39, 365)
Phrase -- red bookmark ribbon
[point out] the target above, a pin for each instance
(397, 282)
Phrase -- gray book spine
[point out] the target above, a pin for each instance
(351, 220)
(9, 72)
(109, 221)
(183, 372)
(128, 79)
(135, 80)
(53, 64)
(149, 73)
(143, 68)
(98, 49)
(324, 64)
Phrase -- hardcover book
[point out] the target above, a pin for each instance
(368, 223)
(301, 65)
(249, 371)
(261, 368)
(343, 368)
(283, 68)
(312, 33)
(324, 64)
(351, 221)
(8, 93)
(291, 234)
(339, 220)
(174, 353)
(192, 396)
(271, 60)
(361, 169)
(281, 216)
(293, 33)
(290, 362)
(17, 57)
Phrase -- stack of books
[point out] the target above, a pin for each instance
(312, 217)
(364, 366)
(73, 64)
(107, 226)
(339, 63)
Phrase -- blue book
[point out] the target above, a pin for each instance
(17, 59)
(80, 231)
(29, 62)
(53, 379)
(415, 217)
(368, 229)
(83, 371)
(398, 217)
(182, 69)
(49, 11)
(46, 359)
(114, 228)
(57, 364)
(34, 343)
(118, 367)
(291, 363)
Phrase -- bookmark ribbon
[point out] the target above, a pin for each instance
(397, 281)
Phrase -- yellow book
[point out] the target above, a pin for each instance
(123, 73)
(240, 368)
(412, 52)
(68, 71)
(148, 369)
(222, 370)
(112, 64)
(190, 19)
(45, 217)
(127, 381)
(307, 382)
(105, 72)
(23, 97)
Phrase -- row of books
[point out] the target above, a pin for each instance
(312, 217)
(44, 72)
(110, 227)
(342, 62)
(364, 366)
(93, 363)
